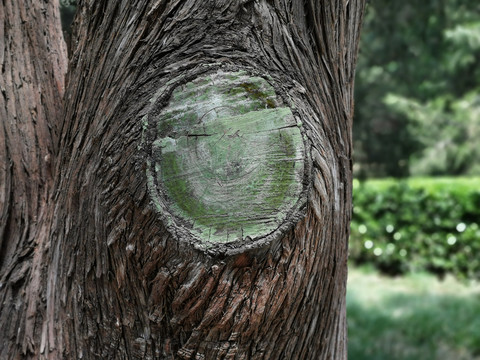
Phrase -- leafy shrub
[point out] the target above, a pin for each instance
(417, 224)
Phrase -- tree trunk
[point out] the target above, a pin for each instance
(33, 64)
(202, 192)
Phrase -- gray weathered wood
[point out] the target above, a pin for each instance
(225, 161)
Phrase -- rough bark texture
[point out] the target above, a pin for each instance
(33, 64)
(119, 285)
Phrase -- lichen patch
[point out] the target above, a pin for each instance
(227, 158)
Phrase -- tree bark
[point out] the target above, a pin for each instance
(108, 275)
(33, 64)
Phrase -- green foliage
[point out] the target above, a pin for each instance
(67, 12)
(448, 137)
(411, 317)
(416, 88)
(419, 224)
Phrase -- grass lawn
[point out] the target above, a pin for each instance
(415, 317)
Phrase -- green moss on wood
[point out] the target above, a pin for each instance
(229, 157)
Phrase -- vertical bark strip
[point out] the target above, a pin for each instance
(33, 65)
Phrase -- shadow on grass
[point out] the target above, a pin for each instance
(407, 325)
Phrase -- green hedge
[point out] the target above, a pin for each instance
(427, 224)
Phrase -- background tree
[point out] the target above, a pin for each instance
(33, 65)
(92, 267)
(417, 83)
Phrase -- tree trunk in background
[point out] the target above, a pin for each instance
(33, 65)
(90, 267)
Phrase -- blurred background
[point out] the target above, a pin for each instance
(413, 290)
